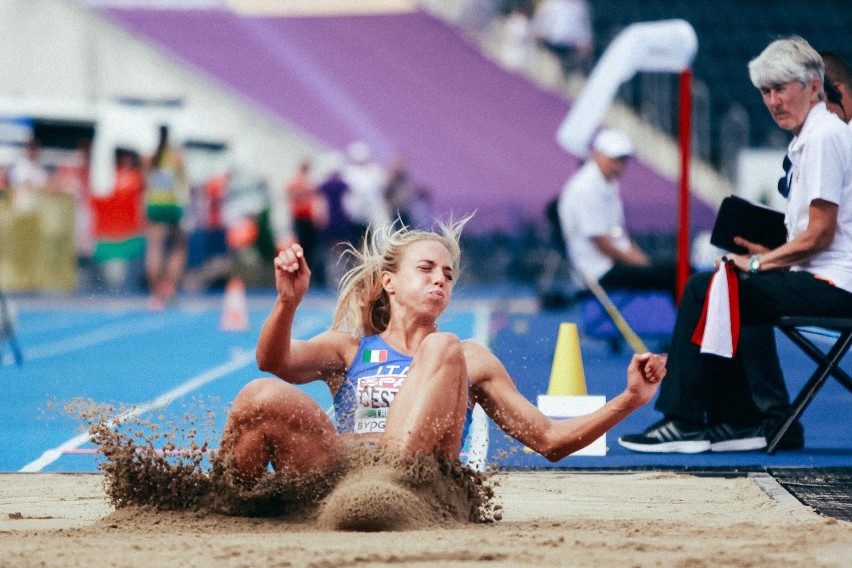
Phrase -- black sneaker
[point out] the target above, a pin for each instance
(668, 436)
(725, 438)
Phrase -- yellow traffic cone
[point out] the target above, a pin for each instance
(235, 308)
(566, 375)
(566, 393)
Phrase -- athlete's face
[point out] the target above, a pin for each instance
(424, 281)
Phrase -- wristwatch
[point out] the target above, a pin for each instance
(754, 263)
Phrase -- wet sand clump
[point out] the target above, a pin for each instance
(386, 492)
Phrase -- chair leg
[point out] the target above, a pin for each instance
(840, 346)
(827, 366)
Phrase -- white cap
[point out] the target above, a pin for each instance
(613, 144)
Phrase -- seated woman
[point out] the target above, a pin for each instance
(716, 404)
(398, 382)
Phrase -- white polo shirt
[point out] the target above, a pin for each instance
(590, 206)
(821, 157)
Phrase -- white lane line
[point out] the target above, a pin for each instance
(478, 451)
(239, 359)
(91, 338)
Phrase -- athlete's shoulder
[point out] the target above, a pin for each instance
(338, 338)
(344, 345)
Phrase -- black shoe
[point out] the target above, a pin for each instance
(725, 438)
(668, 436)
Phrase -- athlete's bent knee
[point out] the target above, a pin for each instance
(261, 395)
(447, 346)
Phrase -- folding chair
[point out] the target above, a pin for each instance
(828, 363)
(556, 260)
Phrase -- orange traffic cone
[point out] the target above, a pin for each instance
(235, 309)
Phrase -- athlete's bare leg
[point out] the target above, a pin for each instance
(155, 245)
(176, 262)
(428, 412)
(274, 422)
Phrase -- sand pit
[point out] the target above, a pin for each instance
(549, 519)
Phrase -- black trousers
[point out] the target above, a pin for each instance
(659, 275)
(748, 389)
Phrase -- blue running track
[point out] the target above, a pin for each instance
(115, 351)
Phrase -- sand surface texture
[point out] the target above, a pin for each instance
(549, 519)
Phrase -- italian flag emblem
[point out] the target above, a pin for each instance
(375, 355)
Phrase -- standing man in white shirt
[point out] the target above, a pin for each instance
(28, 177)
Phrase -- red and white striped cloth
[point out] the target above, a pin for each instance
(718, 330)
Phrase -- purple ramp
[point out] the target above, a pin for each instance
(409, 85)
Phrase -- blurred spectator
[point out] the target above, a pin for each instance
(839, 74)
(72, 177)
(27, 177)
(564, 27)
(118, 224)
(505, 7)
(215, 190)
(209, 262)
(421, 214)
(517, 38)
(399, 192)
(166, 195)
(833, 99)
(339, 231)
(309, 216)
(246, 214)
(477, 17)
(365, 202)
(334, 190)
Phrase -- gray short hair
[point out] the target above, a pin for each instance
(784, 60)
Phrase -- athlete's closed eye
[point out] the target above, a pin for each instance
(427, 266)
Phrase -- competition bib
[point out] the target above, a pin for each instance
(374, 395)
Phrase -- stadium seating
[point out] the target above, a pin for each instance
(731, 33)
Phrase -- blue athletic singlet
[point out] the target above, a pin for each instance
(370, 385)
